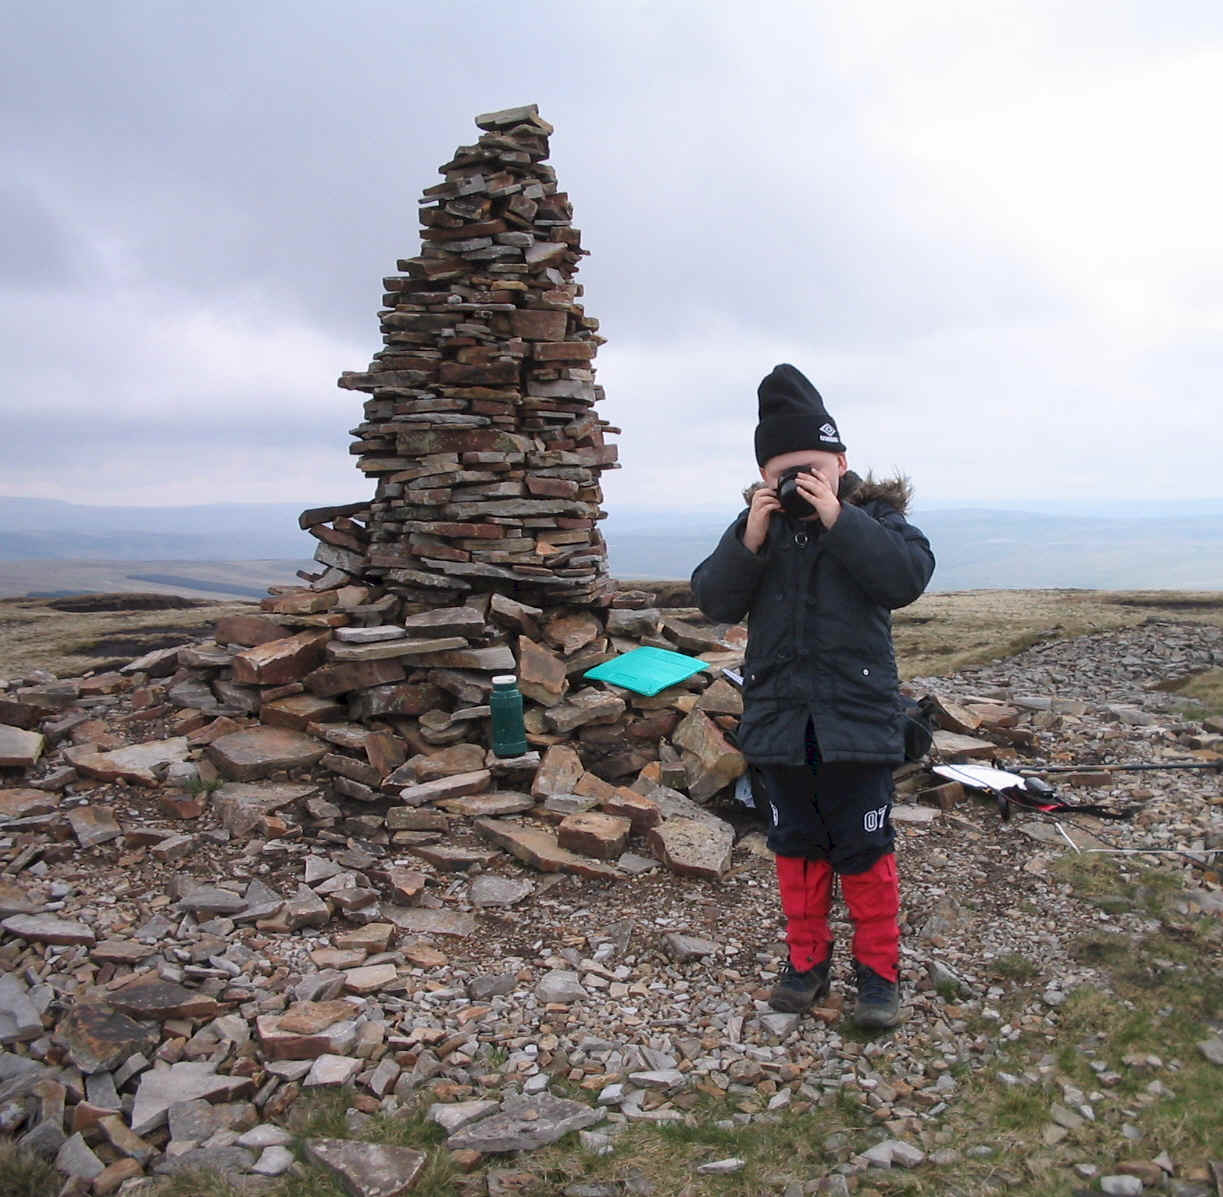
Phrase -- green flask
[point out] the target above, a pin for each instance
(505, 702)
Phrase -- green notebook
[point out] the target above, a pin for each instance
(646, 670)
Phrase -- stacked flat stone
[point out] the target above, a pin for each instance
(481, 428)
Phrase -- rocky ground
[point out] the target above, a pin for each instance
(183, 964)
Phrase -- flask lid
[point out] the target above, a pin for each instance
(505, 679)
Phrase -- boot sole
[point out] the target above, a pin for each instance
(877, 1021)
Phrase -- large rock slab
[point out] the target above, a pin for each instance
(525, 1123)
(542, 675)
(23, 803)
(19, 1019)
(93, 825)
(298, 711)
(161, 1088)
(99, 1039)
(431, 922)
(386, 650)
(343, 677)
(540, 849)
(558, 772)
(19, 749)
(368, 1169)
(275, 662)
(240, 805)
(693, 848)
(951, 746)
(158, 1000)
(590, 833)
(257, 752)
(584, 707)
(46, 928)
(135, 763)
(713, 764)
(447, 787)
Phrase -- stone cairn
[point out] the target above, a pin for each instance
(481, 428)
(480, 553)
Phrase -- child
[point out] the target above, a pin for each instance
(822, 724)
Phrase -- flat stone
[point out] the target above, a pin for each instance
(19, 1019)
(491, 890)
(93, 825)
(373, 937)
(558, 773)
(503, 802)
(449, 858)
(446, 787)
(333, 1070)
(297, 712)
(542, 675)
(452, 1116)
(19, 749)
(721, 698)
(371, 635)
(370, 979)
(386, 650)
(692, 848)
(540, 849)
(432, 922)
(716, 764)
(75, 1158)
(283, 1045)
(368, 1169)
(276, 662)
(641, 810)
(594, 834)
(273, 1161)
(228, 1161)
(446, 621)
(256, 753)
(726, 1167)
(46, 928)
(23, 803)
(683, 948)
(99, 1039)
(161, 1088)
(525, 1123)
(212, 899)
(952, 746)
(160, 1000)
(449, 762)
(584, 707)
(912, 815)
(241, 805)
(1212, 1049)
(560, 985)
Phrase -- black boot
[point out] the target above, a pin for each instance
(798, 990)
(878, 999)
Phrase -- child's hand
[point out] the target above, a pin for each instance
(764, 503)
(823, 497)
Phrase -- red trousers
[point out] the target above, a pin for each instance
(873, 899)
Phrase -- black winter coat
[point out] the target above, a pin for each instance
(818, 604)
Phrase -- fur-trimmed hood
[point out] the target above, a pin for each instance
(896, 492)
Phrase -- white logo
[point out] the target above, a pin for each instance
(874, 820)
(828, 432)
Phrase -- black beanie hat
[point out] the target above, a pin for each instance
(792, 417)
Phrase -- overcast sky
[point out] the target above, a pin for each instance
(988, 231)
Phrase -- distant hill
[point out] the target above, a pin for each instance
(1179, 546)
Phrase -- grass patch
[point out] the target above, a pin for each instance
(23, 1174)
(198, 1182)
(1013, 966)
(943, 632)
(1206, 689)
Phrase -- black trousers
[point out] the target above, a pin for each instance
(837, 812)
